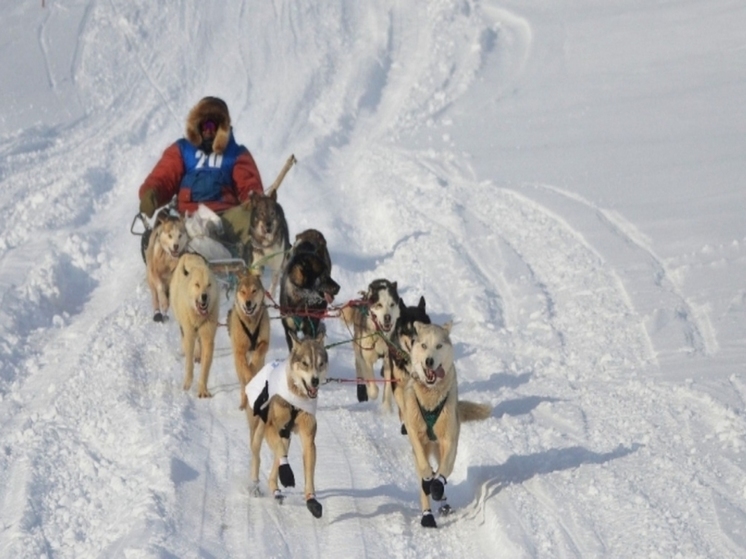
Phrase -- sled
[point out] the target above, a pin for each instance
(204, 230)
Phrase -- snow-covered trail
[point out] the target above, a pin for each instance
(588, 451)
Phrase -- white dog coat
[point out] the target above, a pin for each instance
(274, 376)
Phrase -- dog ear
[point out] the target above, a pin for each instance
(320, 336)
(447, 326)
(294, 337)
(421, 304)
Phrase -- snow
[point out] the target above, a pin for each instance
(562, 180)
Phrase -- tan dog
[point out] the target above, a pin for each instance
(282, 400)
(248, 328)
(196, 304)
(166, 243)
(373, 325)
(433, 413)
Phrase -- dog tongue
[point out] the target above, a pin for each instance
(440, 372)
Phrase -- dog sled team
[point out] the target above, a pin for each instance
(209, 169)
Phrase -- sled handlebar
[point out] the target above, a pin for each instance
(145, 224)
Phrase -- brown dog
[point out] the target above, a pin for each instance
(248, 328)
(166, 243)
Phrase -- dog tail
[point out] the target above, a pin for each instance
(471, 411)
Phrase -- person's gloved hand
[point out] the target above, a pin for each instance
(148, 202)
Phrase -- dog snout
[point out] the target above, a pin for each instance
(429, 362)
(333, 287)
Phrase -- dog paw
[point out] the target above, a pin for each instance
(287, 479)
(428, 520)
(362, 393)
(445, 510)
(204, 393)
(314, 506)
(254, 489)
(403, 429)
(437, 488)
(278, 496)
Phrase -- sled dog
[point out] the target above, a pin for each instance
(248, 328)
(269, 236)
(373, 324)
(194, 298)
(282, 400)
(312, 240)
(166, 243)
(396, 366)
(306, 290)
(433, 414)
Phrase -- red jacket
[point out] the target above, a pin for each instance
(166, 178)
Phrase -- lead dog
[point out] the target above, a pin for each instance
(194, 297)
(282, 400)
(166, 243)
(433, 414)
(373, 325)
(248, 328)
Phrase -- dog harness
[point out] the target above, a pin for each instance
(285, 431)
(253, 337)
(431, 417)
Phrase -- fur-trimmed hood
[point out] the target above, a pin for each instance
(209, 108)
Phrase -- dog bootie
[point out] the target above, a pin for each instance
(314, 506)
(428, 520)
(157, 317)
(362, 393)
(403, 429)
(437, 488)
(287, 479)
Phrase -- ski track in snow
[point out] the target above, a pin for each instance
(102, 452)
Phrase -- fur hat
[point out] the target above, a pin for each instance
(209, 108)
